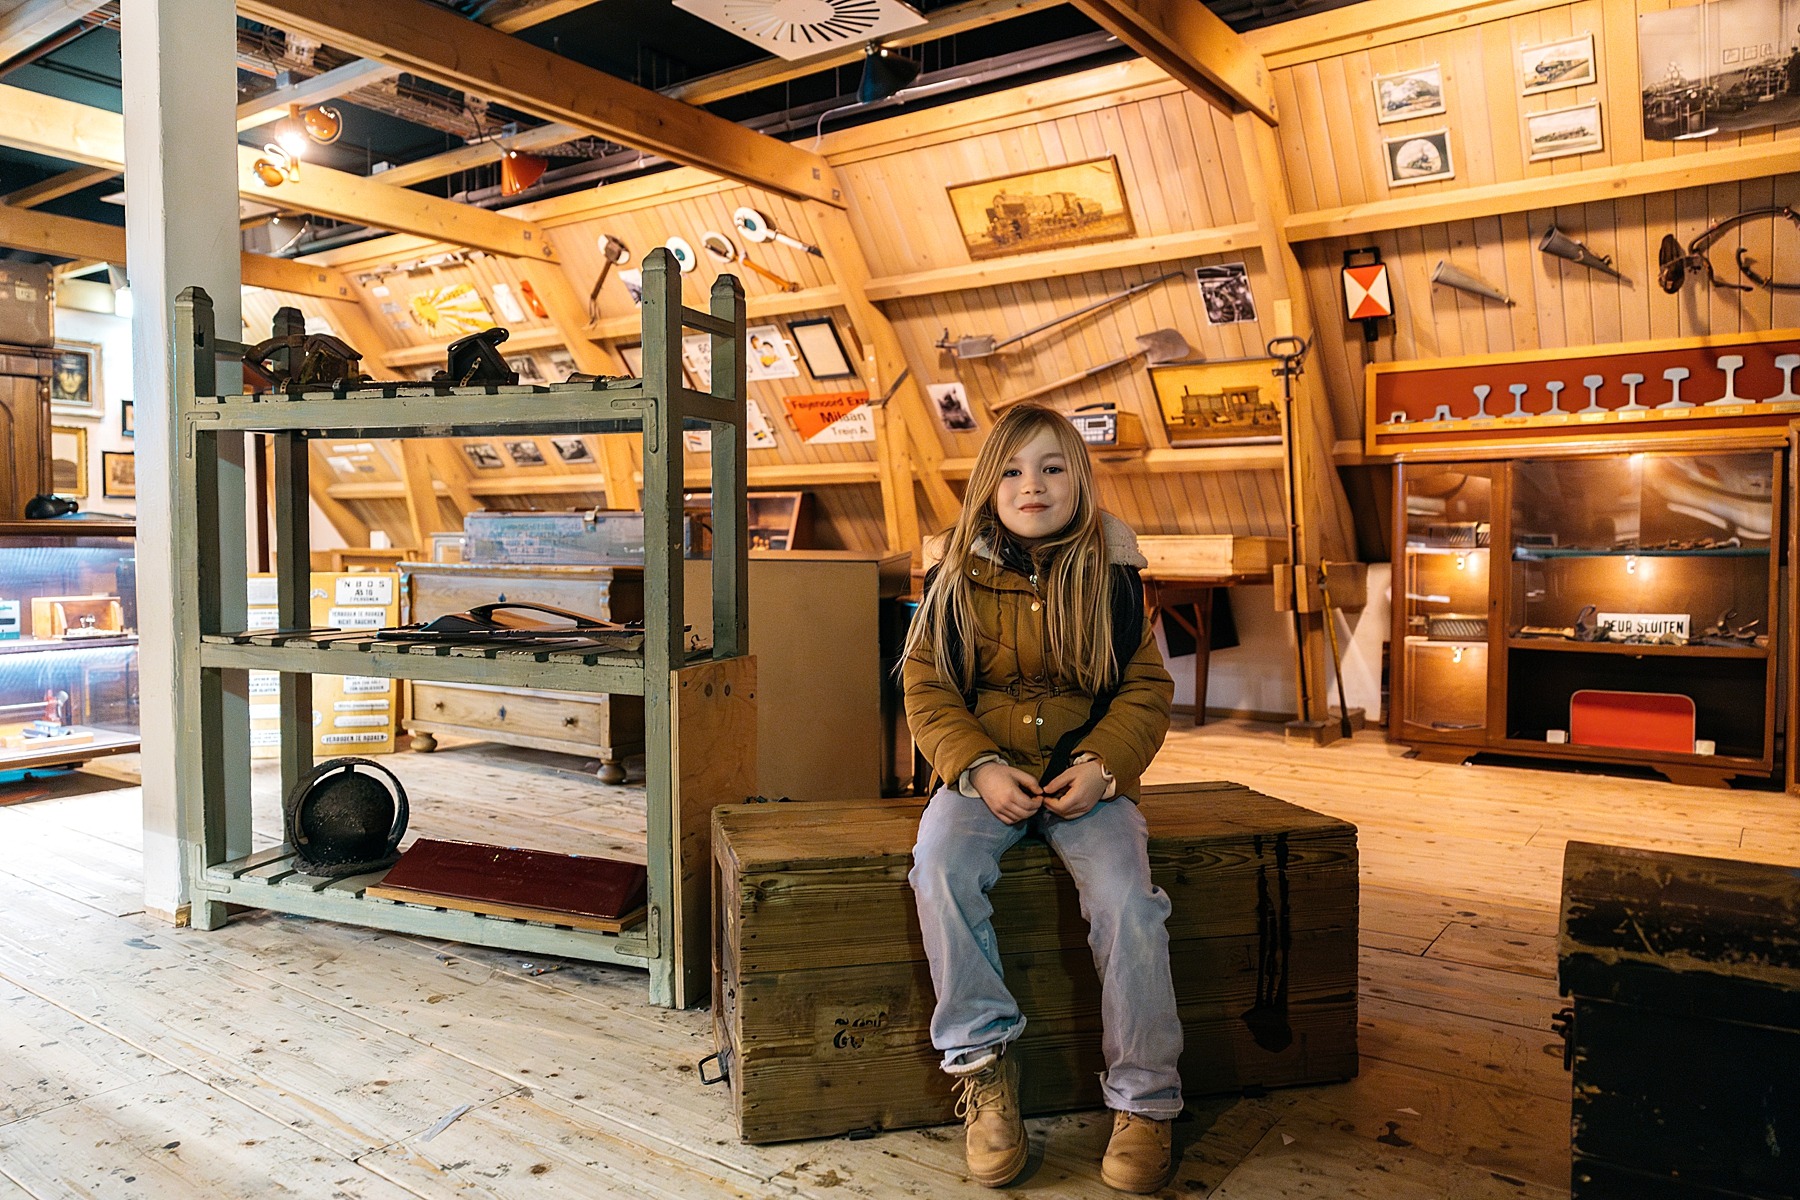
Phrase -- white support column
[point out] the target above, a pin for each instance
(180, 80)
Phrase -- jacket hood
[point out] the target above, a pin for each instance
(1121, 546)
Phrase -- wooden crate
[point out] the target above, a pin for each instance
(1685, 978)
(822, 997)
(1203, 556)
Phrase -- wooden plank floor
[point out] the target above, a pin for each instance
(283, 1056)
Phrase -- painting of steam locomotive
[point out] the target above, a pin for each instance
(1042, 210)
(1722, 67)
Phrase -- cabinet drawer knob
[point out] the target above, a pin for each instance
(571, 722)
(437, 705)
(502, 713)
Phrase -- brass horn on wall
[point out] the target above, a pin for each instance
(1467, 281)
(1561, 245)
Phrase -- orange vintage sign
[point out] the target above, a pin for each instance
(817, 417)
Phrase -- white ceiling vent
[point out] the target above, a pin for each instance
(800, 28)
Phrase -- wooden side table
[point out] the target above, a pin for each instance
(1167, 595)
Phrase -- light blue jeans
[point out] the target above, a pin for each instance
(956, 863)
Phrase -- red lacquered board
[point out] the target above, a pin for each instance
(1632, 720)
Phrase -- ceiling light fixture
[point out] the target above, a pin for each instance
(276, 166)
(884, 73)
(323, 124)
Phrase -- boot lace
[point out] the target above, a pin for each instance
(984, 1089)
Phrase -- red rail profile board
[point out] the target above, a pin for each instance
(1732, 385)
(534, 885)
(1660, 721)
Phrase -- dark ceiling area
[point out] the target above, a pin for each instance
(402, 119)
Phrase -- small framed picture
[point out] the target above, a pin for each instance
(1225, 293)
(1568, 63)
(951, 403)
(75, 379)
(573, 450)
(1418, 158)
(118, 474)
(128, 418)
(769, 355)
(525, 453)
(1406, 94)
(482, 456)
(68, 460)
(821, 348)
(527, 369)
(1564, 131)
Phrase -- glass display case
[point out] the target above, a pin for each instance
(1442, 611)
(68, 641)
(1610, 608)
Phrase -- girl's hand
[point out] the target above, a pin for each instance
(1073, 793)
(1009, 793)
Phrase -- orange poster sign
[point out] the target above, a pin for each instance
(816, 415)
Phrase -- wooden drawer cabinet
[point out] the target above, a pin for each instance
(609, 727)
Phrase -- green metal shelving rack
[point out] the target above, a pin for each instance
(214, 648)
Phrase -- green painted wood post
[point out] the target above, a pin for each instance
(293, 597)
(731, 533)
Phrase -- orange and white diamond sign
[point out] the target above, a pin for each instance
(1366, 294)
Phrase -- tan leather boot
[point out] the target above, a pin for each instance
(993, 1127)
(1138, 1157)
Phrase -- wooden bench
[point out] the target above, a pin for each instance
(1685, 1037)
(822, 997)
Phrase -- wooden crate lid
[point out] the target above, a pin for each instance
(821, 833)
(1710, 937)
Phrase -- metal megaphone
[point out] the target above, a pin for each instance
(1467, 281)
(1556, 242)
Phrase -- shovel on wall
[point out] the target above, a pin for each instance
(1157, 347)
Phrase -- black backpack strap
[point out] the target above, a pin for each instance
(1128, 631)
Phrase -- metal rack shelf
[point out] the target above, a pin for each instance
(707, 694)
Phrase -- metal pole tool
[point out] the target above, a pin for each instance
(1289, 353)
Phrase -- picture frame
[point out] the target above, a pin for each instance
(767, 355)
(118, 474)
(573, 450)
(1045, 209)
(68, 460)
(1701, 79)
(1418, 158)
(75, 379)
(1403, 95)
(1236, 402)
(1560, 132)
(950, 404)
(128, 418)
(483, 456)
(1552, 66)
(1225, 293)
(525, 452)
(821, 348)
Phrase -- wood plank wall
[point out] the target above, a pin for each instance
(1331, 145)
(1186, 187)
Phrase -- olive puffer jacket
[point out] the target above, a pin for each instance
(1020, 711)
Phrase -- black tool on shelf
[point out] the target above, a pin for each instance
(342, 820)
(475, 361)
(294, 360)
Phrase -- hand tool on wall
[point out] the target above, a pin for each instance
(983, 344)
(1290, 355)
(1157, 347)
(725, 251)
(1559, 244)
(754, 226)
(613, 253)
(1674, 266)
(1337, 661)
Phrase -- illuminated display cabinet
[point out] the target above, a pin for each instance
(68, 642)
(1608, 608)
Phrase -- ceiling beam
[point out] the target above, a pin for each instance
(328, 85)
(66, 237)
(92, 136)
(945, 22)
(435, 43)
(34, 20)
(477, 153)
(57, 186)
(1185, 39)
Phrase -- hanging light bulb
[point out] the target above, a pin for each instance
(276, 167)
(293, 142)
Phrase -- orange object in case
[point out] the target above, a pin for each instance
(1632, 720)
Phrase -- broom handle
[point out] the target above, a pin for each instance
(1058, 384)
(1080, 312)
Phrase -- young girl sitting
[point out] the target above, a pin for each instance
(1014, 696)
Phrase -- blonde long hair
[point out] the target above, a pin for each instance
(1072, 565)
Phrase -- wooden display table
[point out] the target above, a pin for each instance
(1168, 595)
(822, 997)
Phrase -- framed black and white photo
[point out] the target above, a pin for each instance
(118, 474)
(821, 348)
(1225, 293)
(1418, 158)
(482, 456)
(1564, 64)
(572, 450)
(525, 453)
(950, 401)
(527, 369)
(1407, 94)
(1564, 131)
(75, 379)
(1718, 68)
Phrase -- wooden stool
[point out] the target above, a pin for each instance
(822, 998)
